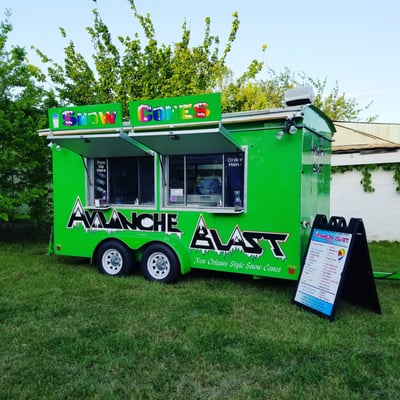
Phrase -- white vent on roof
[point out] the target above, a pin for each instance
(299, 96)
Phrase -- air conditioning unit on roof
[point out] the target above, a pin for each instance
(299, 96)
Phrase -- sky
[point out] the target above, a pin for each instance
(352, 42)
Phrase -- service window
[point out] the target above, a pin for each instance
(208, 180)
(121, 180)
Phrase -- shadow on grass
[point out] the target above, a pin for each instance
(243, 279)
(194, 276)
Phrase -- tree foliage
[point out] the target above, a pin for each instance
(131, 70)
(247, 93)
(127, 69)
(134, 69)
(24, 172)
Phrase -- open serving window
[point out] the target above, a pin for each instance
(119, 169)
(205, 180)
(121, 181)
(203, 167)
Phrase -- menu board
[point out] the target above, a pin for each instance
(337, 264)
(323, 269)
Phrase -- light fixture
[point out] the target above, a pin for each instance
(289, 127)
(279, 135)
(292, 129)
(173, 136)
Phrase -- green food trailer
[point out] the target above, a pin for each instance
(182, 186)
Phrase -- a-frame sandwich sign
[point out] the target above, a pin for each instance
(337, 264)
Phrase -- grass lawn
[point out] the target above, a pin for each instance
(68, 332)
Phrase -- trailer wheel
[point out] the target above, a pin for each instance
(114, 259)
(160, 263)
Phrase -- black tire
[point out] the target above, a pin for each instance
(114, 259)
(160, 264)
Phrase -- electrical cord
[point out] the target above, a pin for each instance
(387, 275)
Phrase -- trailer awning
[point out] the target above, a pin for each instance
(189, 141)
(101, 145)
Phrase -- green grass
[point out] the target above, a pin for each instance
(68, 332)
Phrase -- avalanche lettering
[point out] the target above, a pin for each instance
(96, 220)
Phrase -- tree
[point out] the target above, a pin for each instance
(139, 71)
(24, 159)
(151, 70)
(247, 93)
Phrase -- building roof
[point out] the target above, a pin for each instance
(364, 136)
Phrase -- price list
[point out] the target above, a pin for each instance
(322, 271)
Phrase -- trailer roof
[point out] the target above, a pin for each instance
(275, 113)
(254, 115)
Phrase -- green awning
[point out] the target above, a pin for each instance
(190, 141)
(101, 145)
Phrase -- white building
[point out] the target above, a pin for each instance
(372, 145)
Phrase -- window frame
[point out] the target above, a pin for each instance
(185, 205)
(93, 202)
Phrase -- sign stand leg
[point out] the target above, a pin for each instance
(359, 284)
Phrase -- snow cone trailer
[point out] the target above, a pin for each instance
(182, 186)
